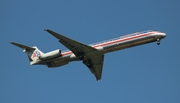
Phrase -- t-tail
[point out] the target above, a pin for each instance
(33, 53)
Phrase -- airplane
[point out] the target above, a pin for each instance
(91, 55)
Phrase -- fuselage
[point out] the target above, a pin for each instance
(122, 42)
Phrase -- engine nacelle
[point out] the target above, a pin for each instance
(56, 64)
(51, 55)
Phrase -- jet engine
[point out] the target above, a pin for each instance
(51, 55)
(56, 64)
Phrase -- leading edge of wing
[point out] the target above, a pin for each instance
(59, 36)
(54, 33)
(75, 46)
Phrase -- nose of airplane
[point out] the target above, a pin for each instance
(163, 35)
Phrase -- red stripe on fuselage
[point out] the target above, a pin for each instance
(120, 40)
(112, 42)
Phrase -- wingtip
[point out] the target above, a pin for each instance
(12, 43)
(45, 29)
(98, 79)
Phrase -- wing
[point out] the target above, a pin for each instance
(95, 65)
(76, 47)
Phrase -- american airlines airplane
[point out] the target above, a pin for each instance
(91, 55)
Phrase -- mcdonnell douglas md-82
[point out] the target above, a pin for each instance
(91, 55)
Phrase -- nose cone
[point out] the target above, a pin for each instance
(163, 35)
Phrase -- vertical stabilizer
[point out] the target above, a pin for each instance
(33, 53)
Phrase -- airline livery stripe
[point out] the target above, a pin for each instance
(113, 42)
(120, 40)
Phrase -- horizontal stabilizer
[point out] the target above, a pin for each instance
(23, 46)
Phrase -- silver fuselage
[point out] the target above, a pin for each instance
(119, 43)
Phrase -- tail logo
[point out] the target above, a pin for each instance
(36, 54)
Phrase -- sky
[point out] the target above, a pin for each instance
(145, 74)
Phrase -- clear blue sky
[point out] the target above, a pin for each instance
(143, 74)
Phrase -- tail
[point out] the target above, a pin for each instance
(33, 53)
